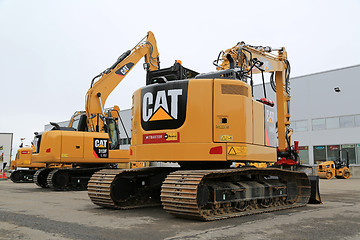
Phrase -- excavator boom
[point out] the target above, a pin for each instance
(111, 77)
(97, 145)
(257, 59)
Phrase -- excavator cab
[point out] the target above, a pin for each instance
(111, 127)
(80, 124)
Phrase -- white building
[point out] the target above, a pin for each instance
(325, 115)
(6, 141)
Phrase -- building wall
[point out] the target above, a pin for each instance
(314, 100)
(6, 140)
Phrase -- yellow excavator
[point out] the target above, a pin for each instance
(97, 147)
(23, 166)
(205, 122)
(23, 160)
(339, 169)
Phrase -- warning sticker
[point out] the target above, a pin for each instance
(237, 150)
(167, 137)
(226, 138)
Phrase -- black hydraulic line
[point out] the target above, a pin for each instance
(272, 83)
(231, 61)
(106, 71)
(92, 81)
(97, 122)
(216, 62)
(263, 80)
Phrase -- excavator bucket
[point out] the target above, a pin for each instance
(315, 193)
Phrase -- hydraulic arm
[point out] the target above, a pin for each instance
(249, 60)
(111, 77)
(97, 147)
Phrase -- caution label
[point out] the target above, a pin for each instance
(226, 138)
(237, 150)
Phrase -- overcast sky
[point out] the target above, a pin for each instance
(50, 50)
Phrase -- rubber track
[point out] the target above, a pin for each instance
(27, 176)
(36, 178)
(100, 188)
(73, 173)
(179, 193)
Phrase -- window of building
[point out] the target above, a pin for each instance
(347, 121)
(350, 149)
(333, 152)
(301, 126)
(304, 154)
(318, 124)
(319, 154)
(332, 123)
(357, 120)
(358, 153)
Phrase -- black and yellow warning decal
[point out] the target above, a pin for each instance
(237, 150)
(163, 106)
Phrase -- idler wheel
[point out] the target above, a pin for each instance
(61, 179)
(126, 189)
(16, 176)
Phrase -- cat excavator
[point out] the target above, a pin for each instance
(98, 146)
(205, 122)
(23, 160)
(23, 166)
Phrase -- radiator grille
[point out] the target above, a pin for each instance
(234, 89)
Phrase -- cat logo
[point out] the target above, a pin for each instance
(101, 147)
(100, 143)
(160, 111)
(163, 106)
(124, 69)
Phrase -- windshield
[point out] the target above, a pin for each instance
(36, 142)
(75, 122)
(113, 133)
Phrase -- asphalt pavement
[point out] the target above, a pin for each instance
(29, 212)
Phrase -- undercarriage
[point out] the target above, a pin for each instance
(201, 194)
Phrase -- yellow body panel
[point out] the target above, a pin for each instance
(258, 123)
(23, 159)
(236, 107)
(250, 152)
(198, 118)
(174, 152)
(75, 147)
(216, 116)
